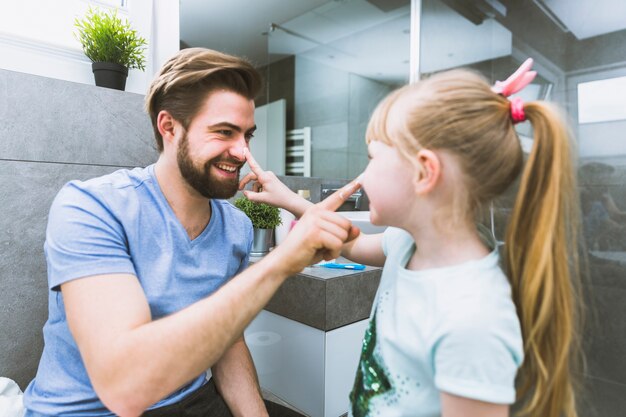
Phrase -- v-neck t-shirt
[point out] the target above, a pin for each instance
(121, 223)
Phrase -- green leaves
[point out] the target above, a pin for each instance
(263, 216)
(107, 38)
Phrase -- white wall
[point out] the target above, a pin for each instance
(36, 37)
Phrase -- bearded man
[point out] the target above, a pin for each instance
(149, 284)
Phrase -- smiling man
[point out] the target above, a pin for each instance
(148, 268)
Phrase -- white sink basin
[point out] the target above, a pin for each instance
(362, 220)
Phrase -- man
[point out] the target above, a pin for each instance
(138, 261)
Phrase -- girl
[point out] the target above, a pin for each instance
(448, 330)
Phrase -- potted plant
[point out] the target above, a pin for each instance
(264, 219)
(111, 45)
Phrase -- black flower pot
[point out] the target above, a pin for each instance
(110, 75)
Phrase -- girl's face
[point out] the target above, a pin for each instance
(388, 182)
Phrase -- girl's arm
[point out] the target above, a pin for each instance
(455, 406)
(267, 188)
(365, 249)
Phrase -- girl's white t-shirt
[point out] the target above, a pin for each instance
(452, 329)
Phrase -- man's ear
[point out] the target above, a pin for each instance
(167, 126)
(429, 171)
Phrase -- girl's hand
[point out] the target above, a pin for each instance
(320, 234)
(267, 188)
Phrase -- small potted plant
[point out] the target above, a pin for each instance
(264, 219)
(112, 46)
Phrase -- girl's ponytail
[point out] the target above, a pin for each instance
(541, 258)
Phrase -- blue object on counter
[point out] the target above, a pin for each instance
(335, 265)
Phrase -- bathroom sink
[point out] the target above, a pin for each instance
(362, 220)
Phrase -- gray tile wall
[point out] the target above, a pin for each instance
(337, 106)
(604, 338)
(51, 131)
(280, 84)
(365, 94)
(604, 285)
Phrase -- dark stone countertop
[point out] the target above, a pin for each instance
(326, 298)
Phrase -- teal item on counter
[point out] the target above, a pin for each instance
(335, 265)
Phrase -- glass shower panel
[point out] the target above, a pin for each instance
(494, 37)
(579, 53)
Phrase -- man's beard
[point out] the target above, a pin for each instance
(201, 179)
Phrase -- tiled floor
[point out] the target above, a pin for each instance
(271, 397)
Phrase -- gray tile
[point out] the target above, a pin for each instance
(601, 398)
(365, 94)
(301, 298)
(330, 164)
(281, 84)
(321, 95)
(605, 269)
(330, 137)
(349, 299)
(357, 162)
(603, 206)
(605, 334)
(58, 121)
(26, 192)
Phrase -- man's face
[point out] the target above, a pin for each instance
(210, 153)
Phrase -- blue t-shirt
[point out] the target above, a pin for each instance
(122, 223)
(452, 329)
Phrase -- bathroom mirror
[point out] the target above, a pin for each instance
(345, 56)
(329, 62)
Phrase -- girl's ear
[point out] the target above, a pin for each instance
(167, 126)
(429, 171)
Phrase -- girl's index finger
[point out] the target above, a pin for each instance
(336, 199)
(254, 165)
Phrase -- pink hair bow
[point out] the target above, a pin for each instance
(517, 81)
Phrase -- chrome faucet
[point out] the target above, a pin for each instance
(354, 200)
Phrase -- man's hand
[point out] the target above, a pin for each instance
(320, 234)
(267, 188)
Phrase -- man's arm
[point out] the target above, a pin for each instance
(236, 380)
(365, 249)
(133, 361)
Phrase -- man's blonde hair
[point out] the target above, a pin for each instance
(185, 81)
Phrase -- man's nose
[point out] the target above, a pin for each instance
(236, 150)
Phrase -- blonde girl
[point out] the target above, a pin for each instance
(450, 331)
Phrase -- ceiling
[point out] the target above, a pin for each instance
(371, 37)
(351, 35)
(237, 26)
(585, 18)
